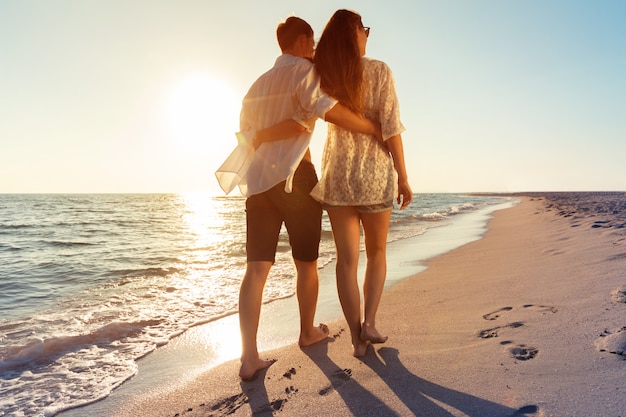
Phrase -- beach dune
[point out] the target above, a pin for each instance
(530, 320)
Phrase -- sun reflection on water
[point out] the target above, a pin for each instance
(202, 218)
(207, 222)
(211, 253)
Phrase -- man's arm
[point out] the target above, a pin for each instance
(282, 130)
(349, 120)
(338, 115)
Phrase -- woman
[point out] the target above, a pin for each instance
(360, 176)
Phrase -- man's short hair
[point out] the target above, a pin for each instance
(288, 32)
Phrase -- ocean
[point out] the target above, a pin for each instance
(90, 283)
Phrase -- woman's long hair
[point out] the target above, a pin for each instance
(338, 60)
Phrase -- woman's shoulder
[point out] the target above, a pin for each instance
(374, 62)
(375, 65)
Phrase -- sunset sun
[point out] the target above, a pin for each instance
(201, 107)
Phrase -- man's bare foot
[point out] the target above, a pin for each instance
(360, 348)
(250, 368)
(315, 335)
(370, 334)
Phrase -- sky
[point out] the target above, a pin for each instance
(143, 96)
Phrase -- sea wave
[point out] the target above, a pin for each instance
(44, 352)
(153, 267)
(143, 272)
(15, 226)
(67, 244)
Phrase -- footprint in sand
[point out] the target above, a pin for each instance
(226, 406)
(266, 409)
(601, 223)
(520, 352)
(338, 378)
(541, 309)
(338, 334)
(494, 331)
(277, 405)
(291, 390)
(289, 373)
(619, 295)
(612, 342)
(496, 314)
(523, 352)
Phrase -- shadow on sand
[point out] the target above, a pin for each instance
(421, 397)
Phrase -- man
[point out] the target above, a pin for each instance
(277, 118)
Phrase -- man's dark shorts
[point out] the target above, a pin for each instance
(302, 215)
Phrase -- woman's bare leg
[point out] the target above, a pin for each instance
(346, 226)
(375, 227)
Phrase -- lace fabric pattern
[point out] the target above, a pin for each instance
(356, 168)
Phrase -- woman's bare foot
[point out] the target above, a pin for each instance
(370, 334)
(315, 335)
(250, 368)
(360, 348)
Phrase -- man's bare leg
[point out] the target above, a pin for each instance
(307, 291)
(250, 300)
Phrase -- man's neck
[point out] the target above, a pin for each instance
(293, 53)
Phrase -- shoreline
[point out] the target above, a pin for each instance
(208, 345)
(516, 323)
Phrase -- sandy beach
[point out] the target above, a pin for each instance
(530, 320)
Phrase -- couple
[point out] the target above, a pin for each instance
(363, 171)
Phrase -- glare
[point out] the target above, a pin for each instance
(200, 108)
(204, 223)
(200, 214)
(226, 339)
